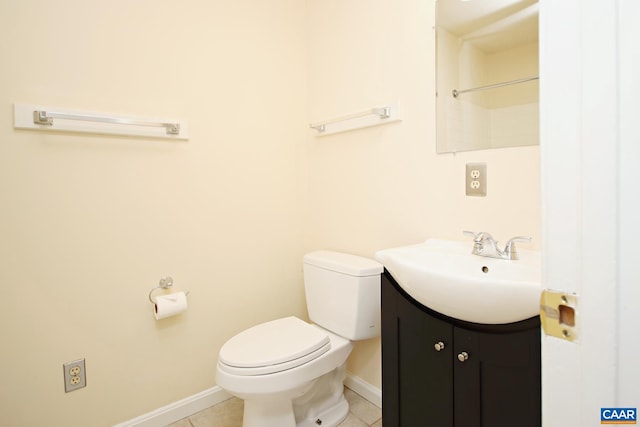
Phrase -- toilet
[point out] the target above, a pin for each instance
(290, 372)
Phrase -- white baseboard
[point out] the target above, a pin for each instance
(200, 401)
(178, 410)
(371, 393)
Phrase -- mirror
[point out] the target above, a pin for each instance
(486, 74)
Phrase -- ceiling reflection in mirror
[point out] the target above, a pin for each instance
(487, 74)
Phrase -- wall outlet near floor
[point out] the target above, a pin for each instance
(476, 179)
(74, 375)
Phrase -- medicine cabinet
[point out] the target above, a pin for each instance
(487, 74)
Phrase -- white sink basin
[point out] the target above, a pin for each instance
(444, 276)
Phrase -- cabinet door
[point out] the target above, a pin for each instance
(425, 351)
(416, 376)
(498, 385)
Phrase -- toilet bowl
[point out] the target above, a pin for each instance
(270, 391)
(290, 372)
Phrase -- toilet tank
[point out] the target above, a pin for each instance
(343, 293)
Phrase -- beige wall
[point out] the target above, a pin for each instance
(385, 186)
(88, 224)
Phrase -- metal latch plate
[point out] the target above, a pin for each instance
(558, 314)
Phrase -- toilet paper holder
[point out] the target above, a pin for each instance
(165, 283)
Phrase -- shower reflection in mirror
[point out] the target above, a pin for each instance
(487, 74)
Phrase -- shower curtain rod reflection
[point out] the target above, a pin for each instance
(456, 92)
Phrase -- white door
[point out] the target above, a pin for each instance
(590, 145)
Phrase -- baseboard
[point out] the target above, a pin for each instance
(203, 400)
(369, 392)
(179, 410)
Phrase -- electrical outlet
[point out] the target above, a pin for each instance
(75, 376)
(476, 179)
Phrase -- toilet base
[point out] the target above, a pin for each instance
(319, 403)
(268, 413)
(324, 404)
(280, 414)
(330, 417)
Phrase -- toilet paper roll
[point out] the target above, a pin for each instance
(170, 305)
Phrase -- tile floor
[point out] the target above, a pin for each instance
(362, 413)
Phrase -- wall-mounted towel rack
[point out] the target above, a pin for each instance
(35, 117)
(371, 117)
(456, 92)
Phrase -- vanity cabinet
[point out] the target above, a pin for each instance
(442, 372)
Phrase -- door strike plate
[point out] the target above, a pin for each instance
(558, 314)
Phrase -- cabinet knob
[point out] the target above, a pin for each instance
(439, 346)
(463, 356)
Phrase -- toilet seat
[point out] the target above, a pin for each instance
(273, 346)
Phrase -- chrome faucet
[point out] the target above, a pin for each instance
(485, 245)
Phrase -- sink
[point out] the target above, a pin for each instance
(444, 276)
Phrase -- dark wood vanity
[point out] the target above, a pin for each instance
(438, 371)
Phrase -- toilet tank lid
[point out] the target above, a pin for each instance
(352, 265)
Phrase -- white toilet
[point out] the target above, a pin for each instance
(290, 372)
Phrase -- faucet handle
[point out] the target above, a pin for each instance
(479, 241)
(510, 248)
(478, 237)
(469, 233)
(525, 239)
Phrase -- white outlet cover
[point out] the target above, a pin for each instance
(75, 376)
(476, 179)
